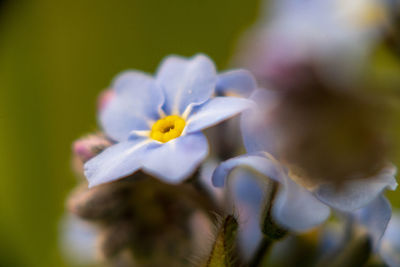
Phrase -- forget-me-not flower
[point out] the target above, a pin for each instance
(299, 205)
(327, 32)
(381, 226)
(390, 246)
(156, 122)
(78, 240)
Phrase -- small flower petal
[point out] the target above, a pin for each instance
(175, 160)
(297, 209)
(116, 161)
(206, 171)
(78, 240)
(240, 82)
(215, 111)
(355, 194)
(136, 101)
(267, 166)
(256, 123)
(375, 217)
(390, 247)
(185, 82)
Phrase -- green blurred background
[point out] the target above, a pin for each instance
(55, 58)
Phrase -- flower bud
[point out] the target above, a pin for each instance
(104, 99)
(142, 217)
(89, 146)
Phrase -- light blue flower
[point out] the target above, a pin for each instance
(238, 82)
(329, 32)
(298, 205)
(236, 200)
(375, 217)
(351, 25)
(248, 208)
(390, 246)
(382, 227)
(156, 122)
(78, 240)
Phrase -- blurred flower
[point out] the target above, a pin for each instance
(243, 198)
(349, 24)
(247, 207)
(326, 123)
(247, 193)
(327, 33)
(78, 240)
(374, 221)
(322, 134)
(236, 83)
(301, 203)
(390, 247)
(157, 122)
(374, 217)
(299, 207)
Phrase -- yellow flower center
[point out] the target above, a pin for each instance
(167, 128)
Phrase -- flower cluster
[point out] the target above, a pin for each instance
(195, 167)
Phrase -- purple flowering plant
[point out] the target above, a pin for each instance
(197, 168)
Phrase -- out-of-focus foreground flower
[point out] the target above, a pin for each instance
(390, 247)
(330, 117)
(301, 203)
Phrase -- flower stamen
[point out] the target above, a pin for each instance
(167, 128)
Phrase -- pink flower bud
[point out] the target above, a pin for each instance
(88, 147)
(104, 98)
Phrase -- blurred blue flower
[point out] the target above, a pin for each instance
(328, 32)
(247, 207)
(383, 229)
(300, 205)
(390, 246)
(156, 123)
(238, 82)
(78, 240)
(375, 217)
(349, 23)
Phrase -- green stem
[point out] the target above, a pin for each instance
(261, 253)
(269, 228)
